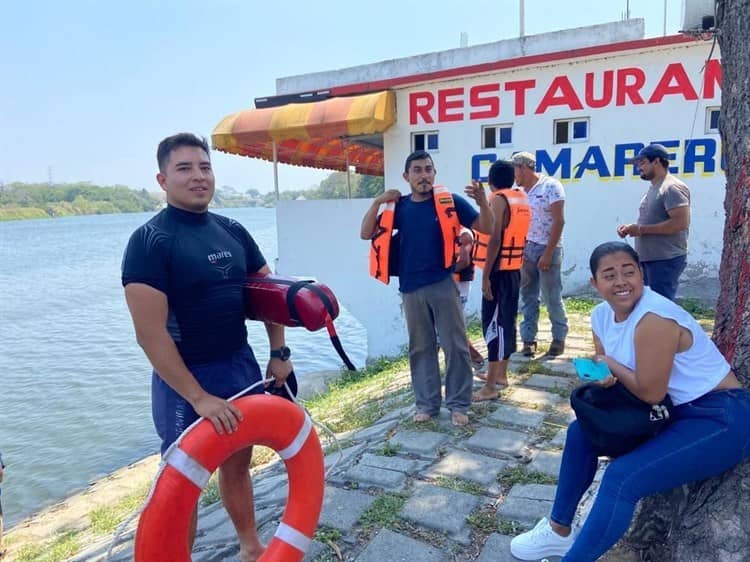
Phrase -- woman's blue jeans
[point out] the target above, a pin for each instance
(708, 436)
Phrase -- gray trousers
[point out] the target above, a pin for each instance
(431, 308)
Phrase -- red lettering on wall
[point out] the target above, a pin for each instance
(520, 87)
(445, 104)
(607, 88)
(420, 104)
(711, 78)
(491, 103)
(627, 89)
(560, 92)
(674, 81)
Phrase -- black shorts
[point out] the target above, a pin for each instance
(499, 315)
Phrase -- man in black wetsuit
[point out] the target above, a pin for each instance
(183, 273)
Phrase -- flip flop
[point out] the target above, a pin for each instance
(476, 398)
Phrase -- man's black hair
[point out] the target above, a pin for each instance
(501, 175)
(176, 141)
(417, 155)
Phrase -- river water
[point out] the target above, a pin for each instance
(74, 385)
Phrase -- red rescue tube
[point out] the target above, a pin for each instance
(289, 301)
(162, 534)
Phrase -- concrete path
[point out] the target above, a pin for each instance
(424, 492)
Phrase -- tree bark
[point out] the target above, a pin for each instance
(710, 520)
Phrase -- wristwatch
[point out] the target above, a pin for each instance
(283, 353)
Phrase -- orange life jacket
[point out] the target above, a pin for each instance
(510, 256)
(381, 250)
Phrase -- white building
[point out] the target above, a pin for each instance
(584, 100)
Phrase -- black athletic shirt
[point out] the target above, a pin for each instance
(200, 261)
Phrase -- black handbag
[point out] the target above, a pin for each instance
(616, 421)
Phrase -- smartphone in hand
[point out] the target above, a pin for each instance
(590, 370)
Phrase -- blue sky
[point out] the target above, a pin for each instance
(90, 87)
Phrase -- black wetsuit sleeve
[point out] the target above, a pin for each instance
(146, 258)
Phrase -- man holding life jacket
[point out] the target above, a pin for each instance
(183, 273)
(500, 255)
(423, 256)
(542, 257)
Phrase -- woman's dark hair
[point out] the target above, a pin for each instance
(607, 249)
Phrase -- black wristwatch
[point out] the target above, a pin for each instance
(283, 353)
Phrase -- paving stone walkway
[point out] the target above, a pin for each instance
(424, 492)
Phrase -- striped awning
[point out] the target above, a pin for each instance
(325, 134)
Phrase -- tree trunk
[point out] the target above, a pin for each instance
(710, 521)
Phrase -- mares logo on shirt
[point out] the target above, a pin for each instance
(216, 256)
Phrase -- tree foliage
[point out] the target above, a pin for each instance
(38, 200)
(41, 200)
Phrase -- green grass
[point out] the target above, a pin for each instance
(327, 534)
(356, 399)
(459, 485)
(483, 520)
(383, 511)
(388, 449)
(580, 305)
(699, 310)
(210, 494)
(410, 425)
(534, 366)
(519, 475)
(104, 520)
(508, 527)
(59, 549)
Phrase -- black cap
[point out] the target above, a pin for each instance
(652, 151)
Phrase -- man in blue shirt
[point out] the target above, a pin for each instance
(430, 297)
(183, 273)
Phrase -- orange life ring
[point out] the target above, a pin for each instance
(162, 534)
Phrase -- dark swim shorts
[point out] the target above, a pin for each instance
(173, 414)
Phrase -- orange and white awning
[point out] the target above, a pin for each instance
(329, 134)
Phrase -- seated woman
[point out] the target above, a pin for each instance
(653, 347)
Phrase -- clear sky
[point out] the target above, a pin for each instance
(89, 87)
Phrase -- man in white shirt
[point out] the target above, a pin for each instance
(542, 257)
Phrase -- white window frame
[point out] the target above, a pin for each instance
(426, 136)
(497, 127)
(709, 112)
(571, 123)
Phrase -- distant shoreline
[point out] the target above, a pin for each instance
(8, 214)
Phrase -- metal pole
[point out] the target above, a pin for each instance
(521, 34)
(348, 172)
(665, 18)
(276, 170)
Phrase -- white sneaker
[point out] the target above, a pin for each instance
(540, 542)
